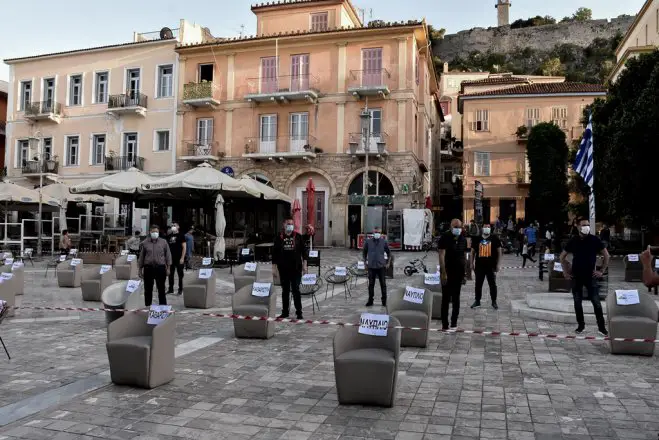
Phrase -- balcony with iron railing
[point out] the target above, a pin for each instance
(200, 150)
(203, 94)
(49, 110)
(375, 82)
(283, 88)
(375, 145)
(128, 103)
(123, 163)
(282, 147)
(36, 167)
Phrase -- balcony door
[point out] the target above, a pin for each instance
(268, 134)
(376, 130)
(204, 136)
(133, 86)
(47, 148)
(299, 72)
(48, 94)
(299, 131)
(372, 67)
(130, 150)
(269, 75)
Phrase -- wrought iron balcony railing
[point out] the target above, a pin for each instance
(127, 101)
(43, 108)
(283, 84)
(201, 148)
(123, 163)
(38, 166)
(280, 144)
(377, 142)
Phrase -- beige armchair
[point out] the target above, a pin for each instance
(366, 367)
(412, 315)
(200, 293)
(69, 276)
(115, 296)
(18, 277)
(242, 278)
(94, 283)
(638, 321)
(124, 269)
(246, 304)
(140, 354)
(8, 294)
(436, 291)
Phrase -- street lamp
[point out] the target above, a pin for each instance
(40, 156)
(365, 117)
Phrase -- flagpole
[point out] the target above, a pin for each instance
(591, 211)
(584, 165)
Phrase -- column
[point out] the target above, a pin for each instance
(340, 126)
(231, 77)
(341, 67)
(228, 133)
(402, 62)
(401, 127)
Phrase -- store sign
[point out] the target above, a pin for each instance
(228, 171)
(358, 199)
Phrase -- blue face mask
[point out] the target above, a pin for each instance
(456, 231)
(376, 235)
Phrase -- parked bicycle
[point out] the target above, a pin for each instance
(416, 266)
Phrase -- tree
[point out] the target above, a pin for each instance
(583, 14)
(552, 67)
(547, 153)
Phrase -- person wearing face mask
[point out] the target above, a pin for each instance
(177, 247)
(154, 262)
(584, 250)
(485, 259)
(289, 258)
(377, 257)
(452, 249)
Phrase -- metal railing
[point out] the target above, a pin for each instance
(201, 147)
(202, 90)
(123, 163)
(38, 166)
(377, 142)
(281, 144)
(374, 78)
(127, 100)
(282, 84)
(43, 108)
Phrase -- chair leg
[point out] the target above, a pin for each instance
(326, 289)
(5, 347)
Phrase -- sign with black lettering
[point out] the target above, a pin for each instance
(7, 275)
(9, 261)
(245, 251)
(17, 265)
(75, 261)
(250, 267)
(205, 274)
(130, 258)
(414, 295)
(158, 314)
(132, 285)
(261, 290)
(309, 279)
(373, 324)
(313, 254)
(105, 268)
(431, 279)
(206, 261)
(124, 252)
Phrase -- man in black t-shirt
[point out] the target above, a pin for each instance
(584, 249)
(177, 247)
(485, 259)
(289, 259)
(452, 249)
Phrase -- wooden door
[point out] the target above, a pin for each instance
(269, 75)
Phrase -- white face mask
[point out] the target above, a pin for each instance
(486, 231)
(376, 235)
(289, 228)
(174, 229)
(154, 235)
(457, 231)
(585, 230)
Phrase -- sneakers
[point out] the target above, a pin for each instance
(180, 292)
(444, 327)
(283, 316)
(369, 303)
(495, 306)
(580, 329)
(603, 332)
(476, 305)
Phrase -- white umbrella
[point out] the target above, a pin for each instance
(220, 225)
(62, 193)
(120, 185)
(267, 192)
(15, 197)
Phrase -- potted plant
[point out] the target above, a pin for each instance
(381, 144)
(307, 148)
(522, 132)
(51, 164)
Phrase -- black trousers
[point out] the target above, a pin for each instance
(157, 274)
(578, 284)
(178, 268)
(353, 241)
(380, 274)
(481, 274)
(451, 293)
(290, 281)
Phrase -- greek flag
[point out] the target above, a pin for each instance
(585, 167)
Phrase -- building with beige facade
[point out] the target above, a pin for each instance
(284, 106)
(641, 37)
(496, 156)
(81, 114)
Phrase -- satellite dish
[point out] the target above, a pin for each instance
(166, 33)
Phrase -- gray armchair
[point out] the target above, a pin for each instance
(115, 296)
(200, 293)
(124, 269)
(94, 283)
(140, 354)
(366, 367)
(242, 278)
(18, 277)
(412, 315)
(8, 294)
(244, 303)
(436, 291)
(638, 321)
(69, 276)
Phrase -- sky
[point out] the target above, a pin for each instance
(31, 27)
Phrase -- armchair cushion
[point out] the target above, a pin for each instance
(412, 315)
(244, 303)
(251, 310)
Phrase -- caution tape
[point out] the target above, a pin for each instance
(493, 333)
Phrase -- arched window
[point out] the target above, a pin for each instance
(378, 185)
(261, 178)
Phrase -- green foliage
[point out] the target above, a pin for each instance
(532, 22)
(626, 129)
(583, 14)
(547, 153)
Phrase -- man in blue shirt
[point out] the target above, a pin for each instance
(531, 233)
(189, 244)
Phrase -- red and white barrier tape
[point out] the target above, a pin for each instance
(349, 324)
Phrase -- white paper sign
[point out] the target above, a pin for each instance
(438, 269)
(130, 258)
(7, 276)
(9, 261)
(632, 257)
(413, 295)
(245, 251)
(627, 297)
(105, 268)
(432, 279)
(17, 265)
(361, 265)
(261, 289)
(206, 261)
(27, 251)
(124, 252)
(558, 267)
(386, 257)
(132, 285)
(550, 257)
(205, 274)
(75, 261)
(62, 258)
(374, 325)
(6, 255)
(309, 279)
(656, 263)
(250, 267)
(158, 314)
(73, 252)
(340, 271)
(313, 254)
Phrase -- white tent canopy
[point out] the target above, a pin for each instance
(220, 226)
(119, 185)
(268, 192)
(12, 195)
(62, 193)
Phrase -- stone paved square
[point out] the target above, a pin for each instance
(460, 387)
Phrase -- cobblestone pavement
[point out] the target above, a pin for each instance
(460, 387)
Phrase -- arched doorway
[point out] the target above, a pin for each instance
(380, 191)
(321, 210)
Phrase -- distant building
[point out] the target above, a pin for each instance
(503, 12)
(4, 90)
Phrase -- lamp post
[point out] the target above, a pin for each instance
(41, 165)
(365, 117)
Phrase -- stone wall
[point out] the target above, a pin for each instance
(543, 38)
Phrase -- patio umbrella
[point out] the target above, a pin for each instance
(311, 203)
(220, 225)
(297, 215)
(123, 185)
(15, 197)
(267, 192)
(428, 203)
(63, 193)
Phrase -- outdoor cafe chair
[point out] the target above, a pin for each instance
(332, 279)
(245, 303)
(93, 284)
(199, 293)
(311, 290)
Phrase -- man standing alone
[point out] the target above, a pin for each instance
(289, 258)
(377, 256)
(485, 259)
(177, 247)
(452, 248)
(584, 250)
(154, 262)
(353, 230)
